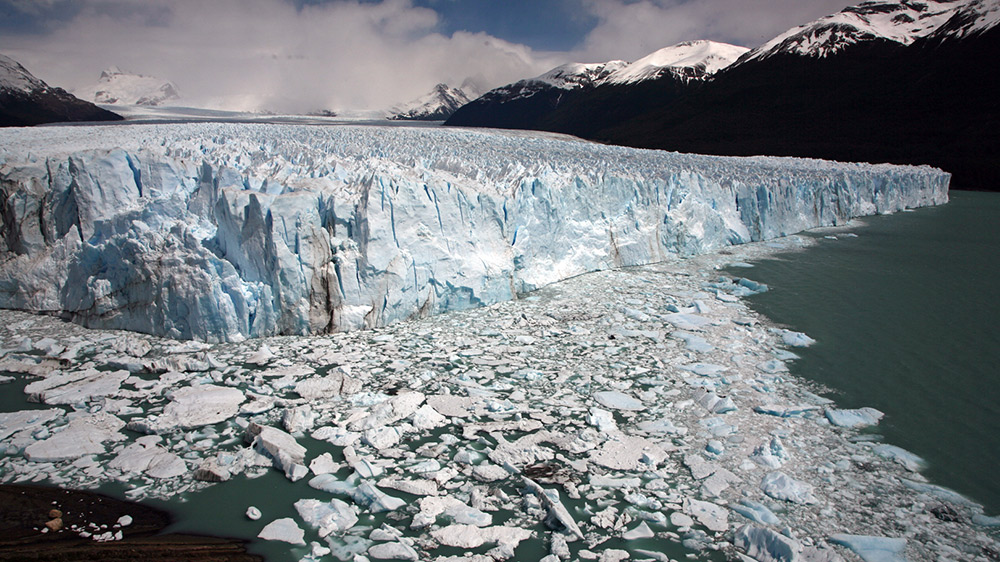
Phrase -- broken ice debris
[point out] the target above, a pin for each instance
(764, 545)
(84, 435)
(780, 486)
(873, 549)
(861, 417)
(334, 516)
(618, 401)
(194, 406)
(285, 530)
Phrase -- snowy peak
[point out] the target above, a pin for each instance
(689, 59)
(117, 87)
(437, 105)
(576, 75)
(15, 78)
(899, 21)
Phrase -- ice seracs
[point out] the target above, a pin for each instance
(222, 232)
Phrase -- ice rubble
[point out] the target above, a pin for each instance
(504, 448)
(220, 232)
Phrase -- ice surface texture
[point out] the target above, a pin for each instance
(220, 232)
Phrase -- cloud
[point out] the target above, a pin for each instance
(271, 54)
(629, 30)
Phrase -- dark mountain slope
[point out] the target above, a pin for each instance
(933, 102)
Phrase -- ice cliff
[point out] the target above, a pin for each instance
(220, 232)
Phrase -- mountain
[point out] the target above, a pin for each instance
(26, 100)
(900, 81)
(117, 87)
(593, 90)
(891, 81)
(521, 104)
(437, 105)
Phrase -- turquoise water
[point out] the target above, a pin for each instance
(906, 317)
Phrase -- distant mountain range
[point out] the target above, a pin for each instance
(905, 81)
(117, 87)
(26, 100)
(437, 105)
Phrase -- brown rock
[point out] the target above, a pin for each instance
(55, 514)
(55, 525)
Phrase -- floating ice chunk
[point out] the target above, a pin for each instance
(624, 452)
(452, 508)
(939, 492)
(873, 549)
(426, 418)
(298, 419)
(262, 356)
(662, 426)
(147, 456)
(468, 536)
(756, 512)
(910, 461)
(332, 484)
(773, 366)
(196, 406)
(285, 530)
(327, 518)
(78, 387)
(558, 516)
(714, 403)
(253, 513)
(985, 520)
(618, 401)
(704, 369)
(785, 411)
(381, 437)
(603, 420)
(13, 422)
(323, 388)
(324, 464)
(489, 472)
(394, 409)
(412, 487)
(764, 545)
(375, 500)
(713, 516)
(84, 435)
(693, 342)
(770, 454)
(689, 322)
(780, 486)
(336, 436)
(796, 339)
(641, 532)
(861, 417)
(283, 450)
(392, 551)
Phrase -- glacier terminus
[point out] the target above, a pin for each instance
(221, 232)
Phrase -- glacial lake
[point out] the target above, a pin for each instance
(906, 319)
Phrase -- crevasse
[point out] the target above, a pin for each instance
(220, 232)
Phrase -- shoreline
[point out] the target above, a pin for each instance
(650, 399)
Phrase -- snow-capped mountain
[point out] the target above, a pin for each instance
(117, 87)
(25, 100)
(526, 103)
(437, 105)
(900, 21)
(691, 59)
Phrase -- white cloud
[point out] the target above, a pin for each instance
(631, 30)
(265, 54)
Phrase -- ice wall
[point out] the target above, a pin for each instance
(220, 232)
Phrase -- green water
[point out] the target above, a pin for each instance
(906, 317)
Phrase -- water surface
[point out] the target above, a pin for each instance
(906, 317)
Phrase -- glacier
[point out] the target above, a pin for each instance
(223, 231)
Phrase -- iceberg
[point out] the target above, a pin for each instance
(222, 232)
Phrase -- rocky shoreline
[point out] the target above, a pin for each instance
(39, 523)
(644, 413)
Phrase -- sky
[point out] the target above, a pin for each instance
(309, 55)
